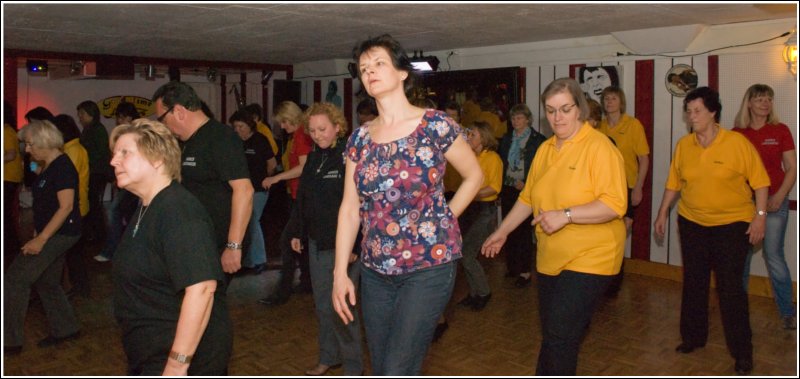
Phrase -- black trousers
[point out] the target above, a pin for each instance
(722, 249)
(11, 246)
(519, 247)
(290, 260)
(95, 219)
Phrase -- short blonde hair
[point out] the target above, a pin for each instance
(743, 117)
(288, 111)
(43, 135)
(155, 142)
(334, 114)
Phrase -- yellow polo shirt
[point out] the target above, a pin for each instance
(631, 142)
(586, 168)
(492, 168)
(470, 111)
(80, 158)
(499, 127)
(12, 170)
(716, 183)
(264, 129)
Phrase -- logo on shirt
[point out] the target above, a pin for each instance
(719, 162)
(190, 161)
(770, 142)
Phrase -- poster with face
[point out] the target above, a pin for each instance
(595, 79)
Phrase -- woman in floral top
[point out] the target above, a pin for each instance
(411, 237)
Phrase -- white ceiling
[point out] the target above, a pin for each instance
(294, 33)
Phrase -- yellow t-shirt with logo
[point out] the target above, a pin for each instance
(492, 168)
(499, 127)
(716, 182)
(12, 170)
(631, 142)
(586, 168)
(80, 159)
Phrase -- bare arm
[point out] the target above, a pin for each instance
(292, 173)
(65, 205)
(346, 231)
(789, 167)
(198, 300)
(594, 212)
(241, 209)
(463, 160)
(636, 194)
(271, 164)
(660, 225)
(759, 223)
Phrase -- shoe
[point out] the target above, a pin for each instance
(522, 282)
(101, 258)
(440, 329)
(479, 302)
(11, 350)
(50, 340)
(467, 301)
(789, 322)
(686, 348)
(743, 366)
(274, 300)
(320, 369)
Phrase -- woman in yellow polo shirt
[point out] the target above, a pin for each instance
(480, 217)
(576, 191)
(715, 171)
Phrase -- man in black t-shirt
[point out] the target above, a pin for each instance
(213, 167)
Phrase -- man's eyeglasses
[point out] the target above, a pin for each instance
(161, 118)
(565, 109)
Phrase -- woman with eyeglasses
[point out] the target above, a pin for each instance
(577, 194)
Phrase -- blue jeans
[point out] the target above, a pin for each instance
(400, 315)
(567, 302)
(338, 343)
(119, 215)
(779, 275)
(256, 252)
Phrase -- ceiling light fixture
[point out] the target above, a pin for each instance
(265, 78)
(425, 64)
(150, 72)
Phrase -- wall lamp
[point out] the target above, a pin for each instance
(790, 53)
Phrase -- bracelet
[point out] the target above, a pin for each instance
(181, 358)
(568, 213)
(233, 245)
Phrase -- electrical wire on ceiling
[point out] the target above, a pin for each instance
(704, 52)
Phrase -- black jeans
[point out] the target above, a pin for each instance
(11, 246)
(519, 247)
(288, 259)
(95, 219)
(722, 249)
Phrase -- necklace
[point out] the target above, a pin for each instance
(324, 159)
(139, 219)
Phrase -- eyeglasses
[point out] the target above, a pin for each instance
(565, 109)
(161, 118)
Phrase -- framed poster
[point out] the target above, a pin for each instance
(594, 79)
(680, 79)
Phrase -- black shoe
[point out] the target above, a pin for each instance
(51, 340)
(11, 350)
(479, 302)
(274, 300)
(686, 348)
(743, 366)
(467, 301)
(522, 282)
(440, 329)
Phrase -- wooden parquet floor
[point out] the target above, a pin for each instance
(633, 334)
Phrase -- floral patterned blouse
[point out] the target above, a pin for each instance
(405, 221)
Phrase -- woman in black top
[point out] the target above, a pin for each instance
(167, 273)
(57, 226)
(315, 217)
(261, 163)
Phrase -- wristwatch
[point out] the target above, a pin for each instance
(233, 245)
(568, 213)
(761, 212)
(181, 358)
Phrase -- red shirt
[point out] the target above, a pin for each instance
(771, 141)
(301, 146)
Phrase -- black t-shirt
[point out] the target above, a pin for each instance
(167, 249)
(257, 151)
(58, 176)
(211, 157)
